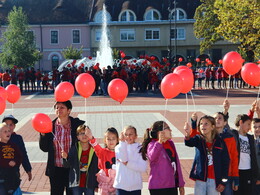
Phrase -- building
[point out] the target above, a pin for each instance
(135, 27)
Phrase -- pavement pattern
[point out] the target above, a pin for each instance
(139, 110)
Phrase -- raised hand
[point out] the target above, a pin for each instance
(88, 133)
(194, 116)
(187, 129)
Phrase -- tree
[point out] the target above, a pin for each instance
(72, 53)
(236, 21)
(19, 48)
(205, 25)
(240, 23)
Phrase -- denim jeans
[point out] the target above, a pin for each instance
(205, 188)
(228, 188)
(80, 191)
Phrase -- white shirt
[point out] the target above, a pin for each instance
(245, 160)
(129, 177)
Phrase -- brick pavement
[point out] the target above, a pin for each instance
(140, 111)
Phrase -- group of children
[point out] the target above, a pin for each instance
(227, 161)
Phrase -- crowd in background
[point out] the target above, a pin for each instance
(138, 78)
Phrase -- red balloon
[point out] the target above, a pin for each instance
(13, 93)
(197, 60)
(152, 58)
(171, 85)
(90, 57)
(64, 91)
(258, 62)
(3, 93)
(2, 105)
(220, 61)
(189, 64)
(164, 59)
(232, 62)
(201, 71)
(187, 79)
(250, 73)
(122, 55)
(180, 59)
(85, 85)
(42, 123)
(181, 68)
(118, 90)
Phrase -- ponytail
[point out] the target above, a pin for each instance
(147, 140)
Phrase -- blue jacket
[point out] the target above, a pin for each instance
(199, 169)
(18, 140)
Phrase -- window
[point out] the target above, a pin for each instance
(152, 15)
(98, 35)
(180, 14)
(75, 36)
(127, 15)
(99, 18)
(54, 37)
(178, 34)
(55, 61)
(127, 35)
(152, 34)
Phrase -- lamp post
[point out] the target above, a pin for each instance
(175, 30)
(170, 37)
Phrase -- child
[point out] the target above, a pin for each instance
(106, 160)
(83, 164)
(227, 136)
(210, 166)
(129, 164)
(247, 156)
(165, 175)
(10, 159)
(255, 127)
(11, 121)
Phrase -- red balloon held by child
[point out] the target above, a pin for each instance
(85, 85)
(232, 62)
(13, 93)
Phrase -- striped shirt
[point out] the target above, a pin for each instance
(61, 141)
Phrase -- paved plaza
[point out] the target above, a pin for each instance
(139, 110)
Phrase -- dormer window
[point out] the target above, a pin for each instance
(99, 18)
(180, 14)
(127, 16)
(152, 15)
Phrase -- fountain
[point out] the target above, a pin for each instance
(104, 55)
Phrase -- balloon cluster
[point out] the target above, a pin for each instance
(11, 93)
(180, 81)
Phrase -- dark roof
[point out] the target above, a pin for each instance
(79, 11)
(139, 7)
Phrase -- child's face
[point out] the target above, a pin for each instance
(167, 131)
(10, 124)
(82, 137)
(206, 126)
(255, 127)
(111, 140)
(130, 136)
(245, 127)
(220, 123)
(5, 134)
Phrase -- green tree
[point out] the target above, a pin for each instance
(240, 23)
(72, 53)
(19, 46)
(205, 25)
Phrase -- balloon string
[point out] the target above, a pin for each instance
(228, 87)
(194, 106)
(52, 108)
(57, 141)
(257, 99)
(12, 109)
(165, 108)
(122, 118)
(187, 106)
(86, 110)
